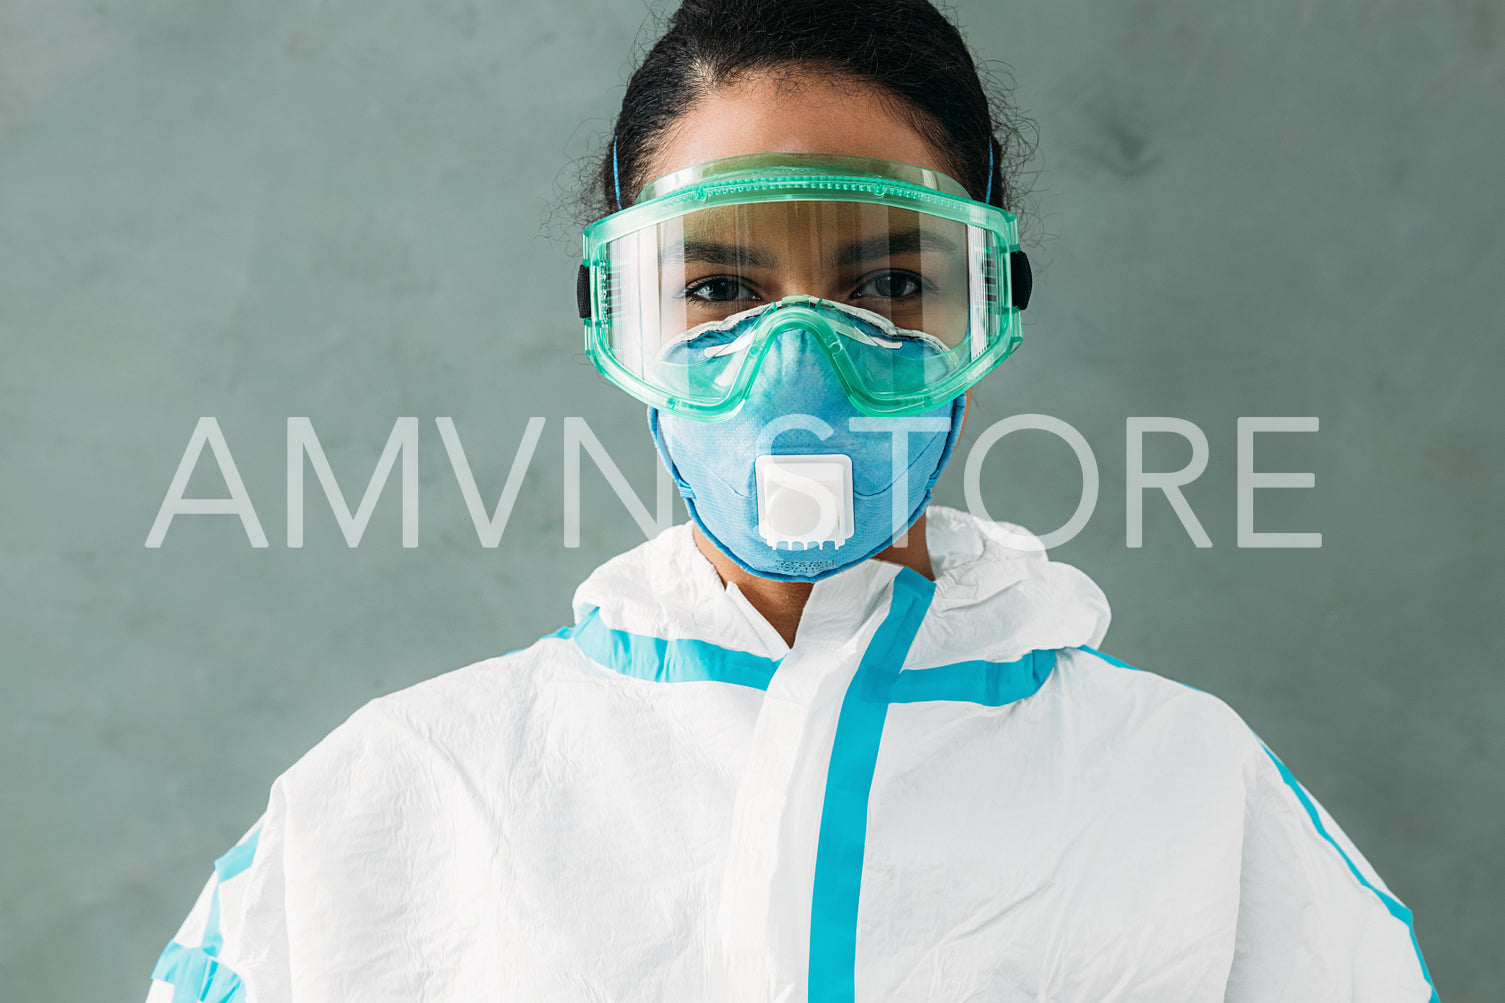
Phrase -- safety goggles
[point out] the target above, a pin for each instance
(911, 288)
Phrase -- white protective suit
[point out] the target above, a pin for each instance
(939, 793)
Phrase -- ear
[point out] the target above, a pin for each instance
(965, 408)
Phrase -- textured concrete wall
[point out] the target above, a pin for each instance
(342, 211)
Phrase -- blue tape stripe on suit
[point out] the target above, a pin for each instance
(229, 864)
(664, 660)
(1395, 909)
(843, 818)
(991, 684)
(195, 973)
(239, 857)
(1125, 665)
(878, 682)
(196, 976)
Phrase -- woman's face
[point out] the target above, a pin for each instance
(917, 277)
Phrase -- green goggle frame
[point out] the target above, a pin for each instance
(632, 254)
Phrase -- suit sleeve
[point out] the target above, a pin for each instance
(192, 966)
(1314, 920)
(232, 948)
(304, 866)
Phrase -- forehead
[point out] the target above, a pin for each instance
(793, 113)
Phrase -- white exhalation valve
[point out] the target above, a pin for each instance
(804, 500)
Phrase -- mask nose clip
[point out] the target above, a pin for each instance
(801, 313)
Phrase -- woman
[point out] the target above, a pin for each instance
(820, 743)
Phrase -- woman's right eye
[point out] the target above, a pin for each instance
(720, 289)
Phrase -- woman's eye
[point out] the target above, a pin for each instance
(889, 285)
(720, 289)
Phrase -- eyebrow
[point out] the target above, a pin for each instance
(728, 255)
(714, 252)
(905, 242)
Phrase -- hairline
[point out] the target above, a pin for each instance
(706, 82)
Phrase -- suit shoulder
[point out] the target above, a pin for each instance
(448, 711)
(1141, 702)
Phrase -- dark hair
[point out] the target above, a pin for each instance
(907, 48)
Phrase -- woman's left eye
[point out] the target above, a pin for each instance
(889, 285)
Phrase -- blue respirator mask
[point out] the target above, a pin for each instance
(804, 329)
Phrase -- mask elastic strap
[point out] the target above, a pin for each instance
(616, 178)
(988, 197)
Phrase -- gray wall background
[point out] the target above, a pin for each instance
(337, 210)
